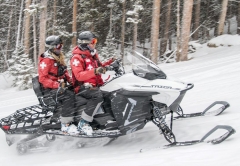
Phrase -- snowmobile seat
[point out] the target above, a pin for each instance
(46, 101)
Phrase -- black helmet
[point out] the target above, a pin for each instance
(52, 41)
(85, 37)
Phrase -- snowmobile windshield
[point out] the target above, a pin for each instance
(145, 68)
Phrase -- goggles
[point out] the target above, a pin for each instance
(59, 46)
(94, 41)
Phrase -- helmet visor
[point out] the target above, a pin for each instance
(94, 41)
(59, 46)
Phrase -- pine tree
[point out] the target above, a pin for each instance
(110, 49)
(135, 20)
(21, 67)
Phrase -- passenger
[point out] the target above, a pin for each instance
(53, 74)
(86, 74)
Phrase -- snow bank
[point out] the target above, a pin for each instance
(6, 81)
(224, 40)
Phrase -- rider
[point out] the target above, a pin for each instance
(86, 74)
(53, 74)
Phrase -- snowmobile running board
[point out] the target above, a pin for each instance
(206, 112)
(218, 140)
(96, 134)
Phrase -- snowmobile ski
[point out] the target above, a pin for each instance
(206, 112)
(218, 140)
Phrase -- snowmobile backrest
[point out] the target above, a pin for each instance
(46, 101)
(37, 87)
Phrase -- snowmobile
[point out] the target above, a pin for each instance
(131, 100)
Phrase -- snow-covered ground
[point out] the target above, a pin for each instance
(215, 73)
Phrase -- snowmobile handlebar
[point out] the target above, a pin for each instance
(189, 86)
(115, 66)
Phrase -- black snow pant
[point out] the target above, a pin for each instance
(65, 106)
(94, 100)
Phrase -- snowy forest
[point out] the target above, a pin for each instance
(162, 30)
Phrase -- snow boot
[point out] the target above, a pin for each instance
(69, 129)
(85, 127)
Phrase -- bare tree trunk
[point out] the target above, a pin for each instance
(230, 15)
(178, 32)
(165, 39)
(229, 26)
(196, 20)
(43, 22)
(35, 41)
(110, 21)
(92, 26)
(8, 35)
(186, 25)
(170, 41)
(74, 24)
(216, 25)
(6, 65)
(222, 17)
(155, 30)
(54, 16)
(19, 25)
(123, 27)
(206, 30)
(238, 20)
(135, 36)
(27, 28)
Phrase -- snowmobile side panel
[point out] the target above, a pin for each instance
(131, 110)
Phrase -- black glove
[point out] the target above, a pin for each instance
(100, 70)
(108, 68)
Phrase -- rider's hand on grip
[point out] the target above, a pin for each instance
(113, 59)
(108, 68)
(100, 70)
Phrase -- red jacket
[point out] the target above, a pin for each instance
(83, 65)
(48, 70)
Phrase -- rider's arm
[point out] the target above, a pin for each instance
(68, 77)
(43, 71)
(77, 65)
(105, 63)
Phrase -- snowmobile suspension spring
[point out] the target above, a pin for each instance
(158, 113)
